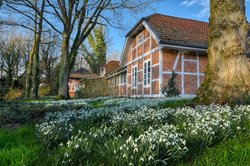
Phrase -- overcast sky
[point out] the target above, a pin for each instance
(193, 9)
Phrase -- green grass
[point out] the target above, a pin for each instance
(19, 147)
(176, 103)
(96, 104)
(40, 99)
(230, 152)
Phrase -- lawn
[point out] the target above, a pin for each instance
(19, 146)
(123, 131)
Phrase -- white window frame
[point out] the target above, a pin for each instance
(134, 76)
(140, 38)
(72, 86)
(112, 81)
(123, 79)
(147, 73)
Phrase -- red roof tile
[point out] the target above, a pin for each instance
(82, 73)
(177, 31)
(111, 66)
(180, 31)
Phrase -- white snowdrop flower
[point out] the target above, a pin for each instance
(66, 155)
(150, 158)
(76, 146)
(124, 156)
(141, 159)
(135, 150)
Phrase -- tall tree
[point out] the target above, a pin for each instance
(74, 21)
(49, 58)
(77, 19)
(12, 58)
(32, 75)
(97, 58)
(31, 12)
(228, 71)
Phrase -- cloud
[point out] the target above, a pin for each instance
(203, 6)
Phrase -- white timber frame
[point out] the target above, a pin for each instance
(181, 55)
(135, 59)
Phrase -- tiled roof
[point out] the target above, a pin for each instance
(179, 31)
(82, 73)
(111, 66)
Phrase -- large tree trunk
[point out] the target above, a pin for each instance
(32, 72)
(228, 75)
(10, 78)
(64, 68)
(36, 65)
(28, 83)
(35, 75)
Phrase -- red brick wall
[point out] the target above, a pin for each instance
(72, 88)
(147, 46)
(137, 50)
(122, 90)
(155, 57)
(190, 67)
(203, 62)
(140, 76)
(155, 72)
(141, 51)
(153, 43)
(168, 60)
(155, 87)
(139, 89)
(147, 91)
(140, 64)
(190, 84)
(190, 61)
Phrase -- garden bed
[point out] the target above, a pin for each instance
(138, 131)
(125, 131)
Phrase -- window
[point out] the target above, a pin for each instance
(112, 81)
(116, 80)
(140, 38)
(123, 78)
(147, 72)
(134, 76)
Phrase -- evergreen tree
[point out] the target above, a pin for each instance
(97, 57)
(170, 89)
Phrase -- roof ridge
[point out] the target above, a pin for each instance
(151, 15)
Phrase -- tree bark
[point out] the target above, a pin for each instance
(36, 71)
(28, 83)
(228, 72)
(64, 68)
(32, 72)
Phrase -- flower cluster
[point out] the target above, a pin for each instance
(154, 146)
(136, 132)
(206, 124)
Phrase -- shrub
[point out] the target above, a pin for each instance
(22, 113)
(13, 94)
(90, 88)
(170, 89)
(44, 91)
